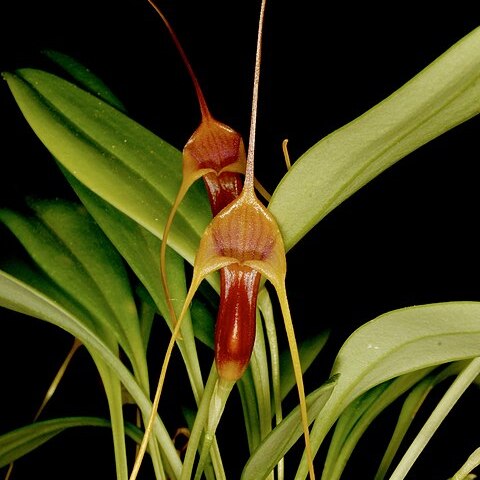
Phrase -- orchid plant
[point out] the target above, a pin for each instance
(96, 267)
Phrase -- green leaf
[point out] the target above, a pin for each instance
(198, 430)
(394, 344)
(29, 273)
(359, 415)
(141, 250)
(265, 306)
(274, 447)
(113, 391)
(259, 366)
(34, 277)
(442, 409)
(410, 408)
(473, 461)
(69, 247)
(113, 156)
(248, 397)
(406, 340)
(20, 297)
(19, 442)
(443, 95)
(85, 78)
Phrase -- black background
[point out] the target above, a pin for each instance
(409, 237)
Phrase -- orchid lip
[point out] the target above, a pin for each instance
(235, 326)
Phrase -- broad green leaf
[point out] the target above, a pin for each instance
(141, 250)
(81, 236)
(85, 78)
(19, 442)
(69, 247)
(93, 276)
(147, 311)
(394, 344)
(34, 277)
(113, 156)
(29, 273)
(18, 296)
(443, 95)
(274, 447)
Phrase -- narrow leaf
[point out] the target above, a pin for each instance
(19, 442)
(451, 397)
(140, 249)
(359, 415)
(70, 248)
(85, 78)
(22, 298)
(274, 447)
(410, 407)
(473, 461)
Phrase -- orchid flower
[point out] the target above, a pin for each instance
(243, 241)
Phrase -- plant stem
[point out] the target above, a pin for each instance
(216, 406)
(200, 422)
(265, 305)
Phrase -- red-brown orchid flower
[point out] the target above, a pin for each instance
(243, 241)
(215, 152)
